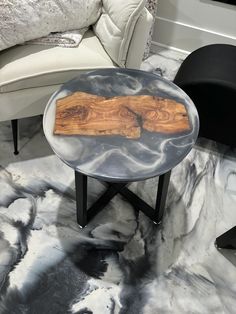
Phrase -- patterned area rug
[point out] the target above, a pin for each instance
(121, 262)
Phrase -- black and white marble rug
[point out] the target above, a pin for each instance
(121, 262)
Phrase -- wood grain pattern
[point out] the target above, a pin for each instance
(81, 115)
(86, 114)
(158, 114)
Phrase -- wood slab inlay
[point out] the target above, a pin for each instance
(86, 114)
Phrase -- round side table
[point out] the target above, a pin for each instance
(117, 160)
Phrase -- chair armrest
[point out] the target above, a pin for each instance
(139, 40)
(116, 25)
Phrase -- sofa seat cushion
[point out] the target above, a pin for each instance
(28, 66)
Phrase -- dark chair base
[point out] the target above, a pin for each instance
(227, 240)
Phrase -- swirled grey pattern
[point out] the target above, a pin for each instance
(116, 158)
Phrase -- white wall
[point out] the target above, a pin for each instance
(190, 24)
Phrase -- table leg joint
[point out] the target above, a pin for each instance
(84, 215)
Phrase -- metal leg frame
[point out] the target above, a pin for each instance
(84, 215)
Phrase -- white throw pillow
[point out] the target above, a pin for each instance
(116, 25)
(23, 20)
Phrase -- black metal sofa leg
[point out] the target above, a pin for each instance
(14, 125)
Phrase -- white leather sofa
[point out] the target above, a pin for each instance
(29, 74)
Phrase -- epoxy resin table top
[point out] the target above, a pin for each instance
(116, 158)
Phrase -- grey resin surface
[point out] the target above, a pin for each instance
(115, 158)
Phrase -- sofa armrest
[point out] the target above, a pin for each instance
(139, 40)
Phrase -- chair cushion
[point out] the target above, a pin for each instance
(115, 26)
(29, 66)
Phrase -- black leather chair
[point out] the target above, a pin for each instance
(208, 76)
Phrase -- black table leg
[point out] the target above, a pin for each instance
(162, 191)
(104, 199)
(138, 203)
(156, 214)
(84, 214)
(81, 198)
